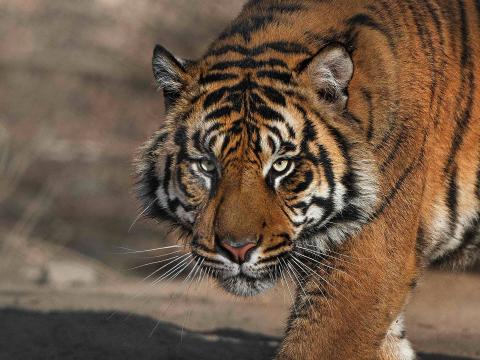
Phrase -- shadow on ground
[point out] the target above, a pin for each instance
(102, 335)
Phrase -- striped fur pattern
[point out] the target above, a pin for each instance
(340, 139)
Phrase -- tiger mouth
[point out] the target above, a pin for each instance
(246, 285)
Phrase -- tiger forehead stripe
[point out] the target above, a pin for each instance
(283, 47)
(240, 88)
(248, 63)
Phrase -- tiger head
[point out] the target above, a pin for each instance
(258, 156)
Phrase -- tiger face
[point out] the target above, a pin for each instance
(257, 157)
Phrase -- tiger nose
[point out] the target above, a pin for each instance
(238, 250)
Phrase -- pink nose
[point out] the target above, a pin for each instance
(239, 252)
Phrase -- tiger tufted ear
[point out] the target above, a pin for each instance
(330, 71)
(170, 74)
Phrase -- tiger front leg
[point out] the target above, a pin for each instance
(351, 306)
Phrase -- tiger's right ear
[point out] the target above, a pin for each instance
(170, 74)
(329, 71)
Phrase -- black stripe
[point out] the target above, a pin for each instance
(451, 200)
(272, 144)
(413, 284)
(450, 12)
(328, 207)
(440, 89)
(367, 95)
(212, 141)
(427, 44)
(275, 131)
(396, 148)
(214, 127)
(478, 179)
(307, 180)
(467, 76)
(276, 247)
(179, 177)
(394, 120)
(274, 95)
(245, 27)
(387, 200)
(248, 63)
(211, 78)
(342, 143)
(233, 149)
(470, 238)
(213, 98)
(282, 76)
(477, 4)
(196, 143)
(235, 94)
(367, 21)
(309, 133)
(390, 15)
(180, 136)
(291, 131)
(255, 99)
(282, 47)
(327, 164)
(349, 214)
(268, 113)
(167, 176)
(148, 184)
(162, 138)
(218, 113)
(285, 8)
(349, 179)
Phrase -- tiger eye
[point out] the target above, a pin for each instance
(207, 165)
(280, 165)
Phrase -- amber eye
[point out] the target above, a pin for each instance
(207, 165)
(281, 165)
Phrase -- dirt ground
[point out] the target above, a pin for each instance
(131, 320)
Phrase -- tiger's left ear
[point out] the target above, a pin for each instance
(170, 74)
(330, 71)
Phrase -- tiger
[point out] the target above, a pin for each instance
(332, 145)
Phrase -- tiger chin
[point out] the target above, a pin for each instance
(330, 145)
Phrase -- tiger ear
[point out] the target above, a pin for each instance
(170, 74)
(330, 71)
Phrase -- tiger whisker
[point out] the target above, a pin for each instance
(200, 275)
(196, 266)
(288, 287)
(320, 286)
(295, 273)
(338, 253)
(185, 287)
(167, 275)
(329, 284)
(329, 267)
(154, 262)
(326, 255)
(165, 265)
(141, 214)
(127, 250)
(277, 272)
(159, 256)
